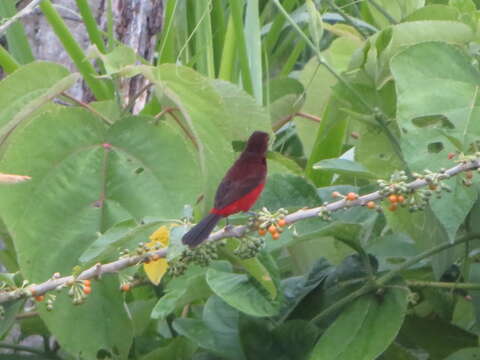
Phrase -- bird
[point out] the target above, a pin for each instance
(239, 189)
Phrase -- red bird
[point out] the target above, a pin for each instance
(238, 190)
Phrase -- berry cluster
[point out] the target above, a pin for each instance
(271, 222)
(249, 247)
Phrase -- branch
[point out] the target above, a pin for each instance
(98, 270)
(442, 285)
(24, 12)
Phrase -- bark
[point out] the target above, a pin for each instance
(136, 24)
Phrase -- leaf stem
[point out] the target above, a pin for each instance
(381, 10)
(88, 107)
(442, 285)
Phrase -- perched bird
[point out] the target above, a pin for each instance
(238, 190)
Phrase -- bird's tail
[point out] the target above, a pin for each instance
(200, 232)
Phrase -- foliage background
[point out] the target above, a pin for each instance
(165, 92)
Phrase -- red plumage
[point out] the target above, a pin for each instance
(238, 190)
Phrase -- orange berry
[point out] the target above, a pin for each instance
(39, 298)
(276, 235)
(86, 282)
(371, 205)
(432, 187)
(87, 290)
(262, 232)
(336, 194)
(401, 199)
(32, 292)
(272, 229)
(281, 222)
(393, 207)
(451, 155)
(393, 199)
(125, 287)
(352, 196)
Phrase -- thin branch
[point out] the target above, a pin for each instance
(26, 315)
(442, 285)
(170, 111)
(99, 270)
(348, 19)
(88, 107)
(134, 98)
(21, 348)
(382, 11)
(24, 12)
(288, 118)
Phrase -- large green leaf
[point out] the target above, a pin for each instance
(86, 179)
(365, 329)
(239, 291)
(437, 113)
(217, 331)
(215, 112)
(23, 91)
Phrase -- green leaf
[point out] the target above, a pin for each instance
(181, 291)
(11, 310)
(239, 291)
(434, 123)
(217, 332)
(125, 234)
(343, 167)
(215, 112)
(397, 10)
(179, 348)
(20, 92)
(85, 181)
(365, 329)
(427, 231)
(465, 354)
(425, 334)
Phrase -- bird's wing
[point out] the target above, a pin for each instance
(230, 191)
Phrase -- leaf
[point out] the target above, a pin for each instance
(465, 354)
(424, 334)
(365, 329)
(240, 292)
(433, 123)
(11, 309)
(298, 287)
(217, 331)
(178, 348)
(83, 182)
(343, 167)
(398, 10)
(156, 269)
(28, 88)
(215, 112)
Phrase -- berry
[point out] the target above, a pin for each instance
(393, 199)
(276, 235)
(401, 199)
(352, 196)
(281, 222)
(262, 232)
(87, 290)
(392, 207)
(86, 283)
(432, 187)
(272, 229)
(39, 298)
(336, 194)
(451, 155)
(125, 287)
(371, 205)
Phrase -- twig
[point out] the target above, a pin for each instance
(442, 285)
(170, 111)
(24, 12)
(134, 98)
(381, 10)
(347, 19)
(26, 315)
(21, 348)
(88, 107)
(98, 270)
(288, 118)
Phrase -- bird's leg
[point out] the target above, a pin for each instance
(228, 227)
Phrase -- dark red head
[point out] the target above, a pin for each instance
(257, 143)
